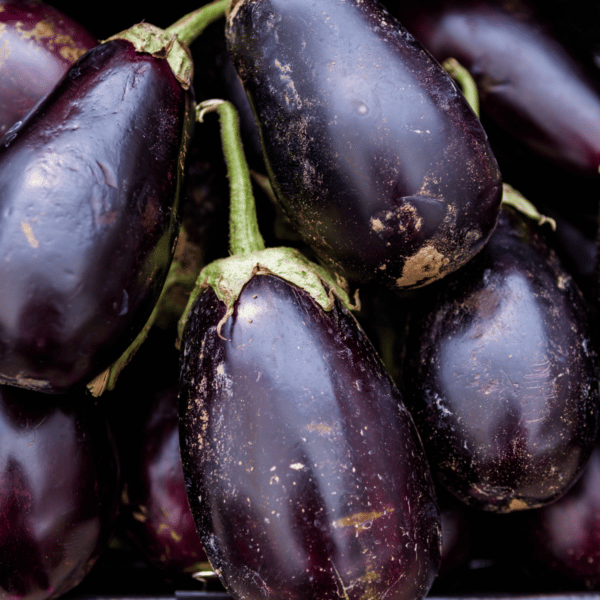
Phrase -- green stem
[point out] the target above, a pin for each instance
(466, 82)
(189, 27)
(510, 196)
(244, 233)
(513, 198)
(228, 276)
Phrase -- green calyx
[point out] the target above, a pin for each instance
(153, 40)
(172, 43)
(249, 257)
(228, 276)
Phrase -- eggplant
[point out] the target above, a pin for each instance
(59, 491)
(154, 514)
(561, 542)
(458, 540)
(305, 473)
(539, 92)
(373, 153)
(39, 44)
(577, 248)
(501, 373)
(89, 193)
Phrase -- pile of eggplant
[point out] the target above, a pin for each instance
(299, 299)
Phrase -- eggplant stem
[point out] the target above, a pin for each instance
(189, 27)
(467, 84)
(244, 233)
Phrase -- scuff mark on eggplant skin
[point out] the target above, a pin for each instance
(363, 123)
(305, 474)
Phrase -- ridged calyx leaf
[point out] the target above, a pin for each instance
(153, 40)
(228, 276)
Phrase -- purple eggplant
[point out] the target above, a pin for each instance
(59, 492)
(39, 44)
(155, 513)
(577, 248)
(561, 542)
(89, 190)
(458, 539)
(502, 375)
(305, 474)
(304, 471)
(373, 153)
(540, 95)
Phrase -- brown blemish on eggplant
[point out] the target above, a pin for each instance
(424, 266)
(140, 516)
(44, 33)
(72, 53)
(321, 428)
(409, 218)
(4, 49)
(28, 231)
(377, 225)
(362, 520)
(286, 78)
(42, 30)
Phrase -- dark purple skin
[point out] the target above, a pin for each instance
(143, 411)
(502, 377)
(373, 153)
(577, 248)
(89, 188)
(305, 473)
(534, 87)
(39, 44)
(458, 539)
(59, 492)
(562, 540)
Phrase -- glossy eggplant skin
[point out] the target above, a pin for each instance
(155, 513)
(89, 189)
(59, 492)
(39, 44)
(373, 153)
(533, 86)
(305, 474)
(501, 374)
